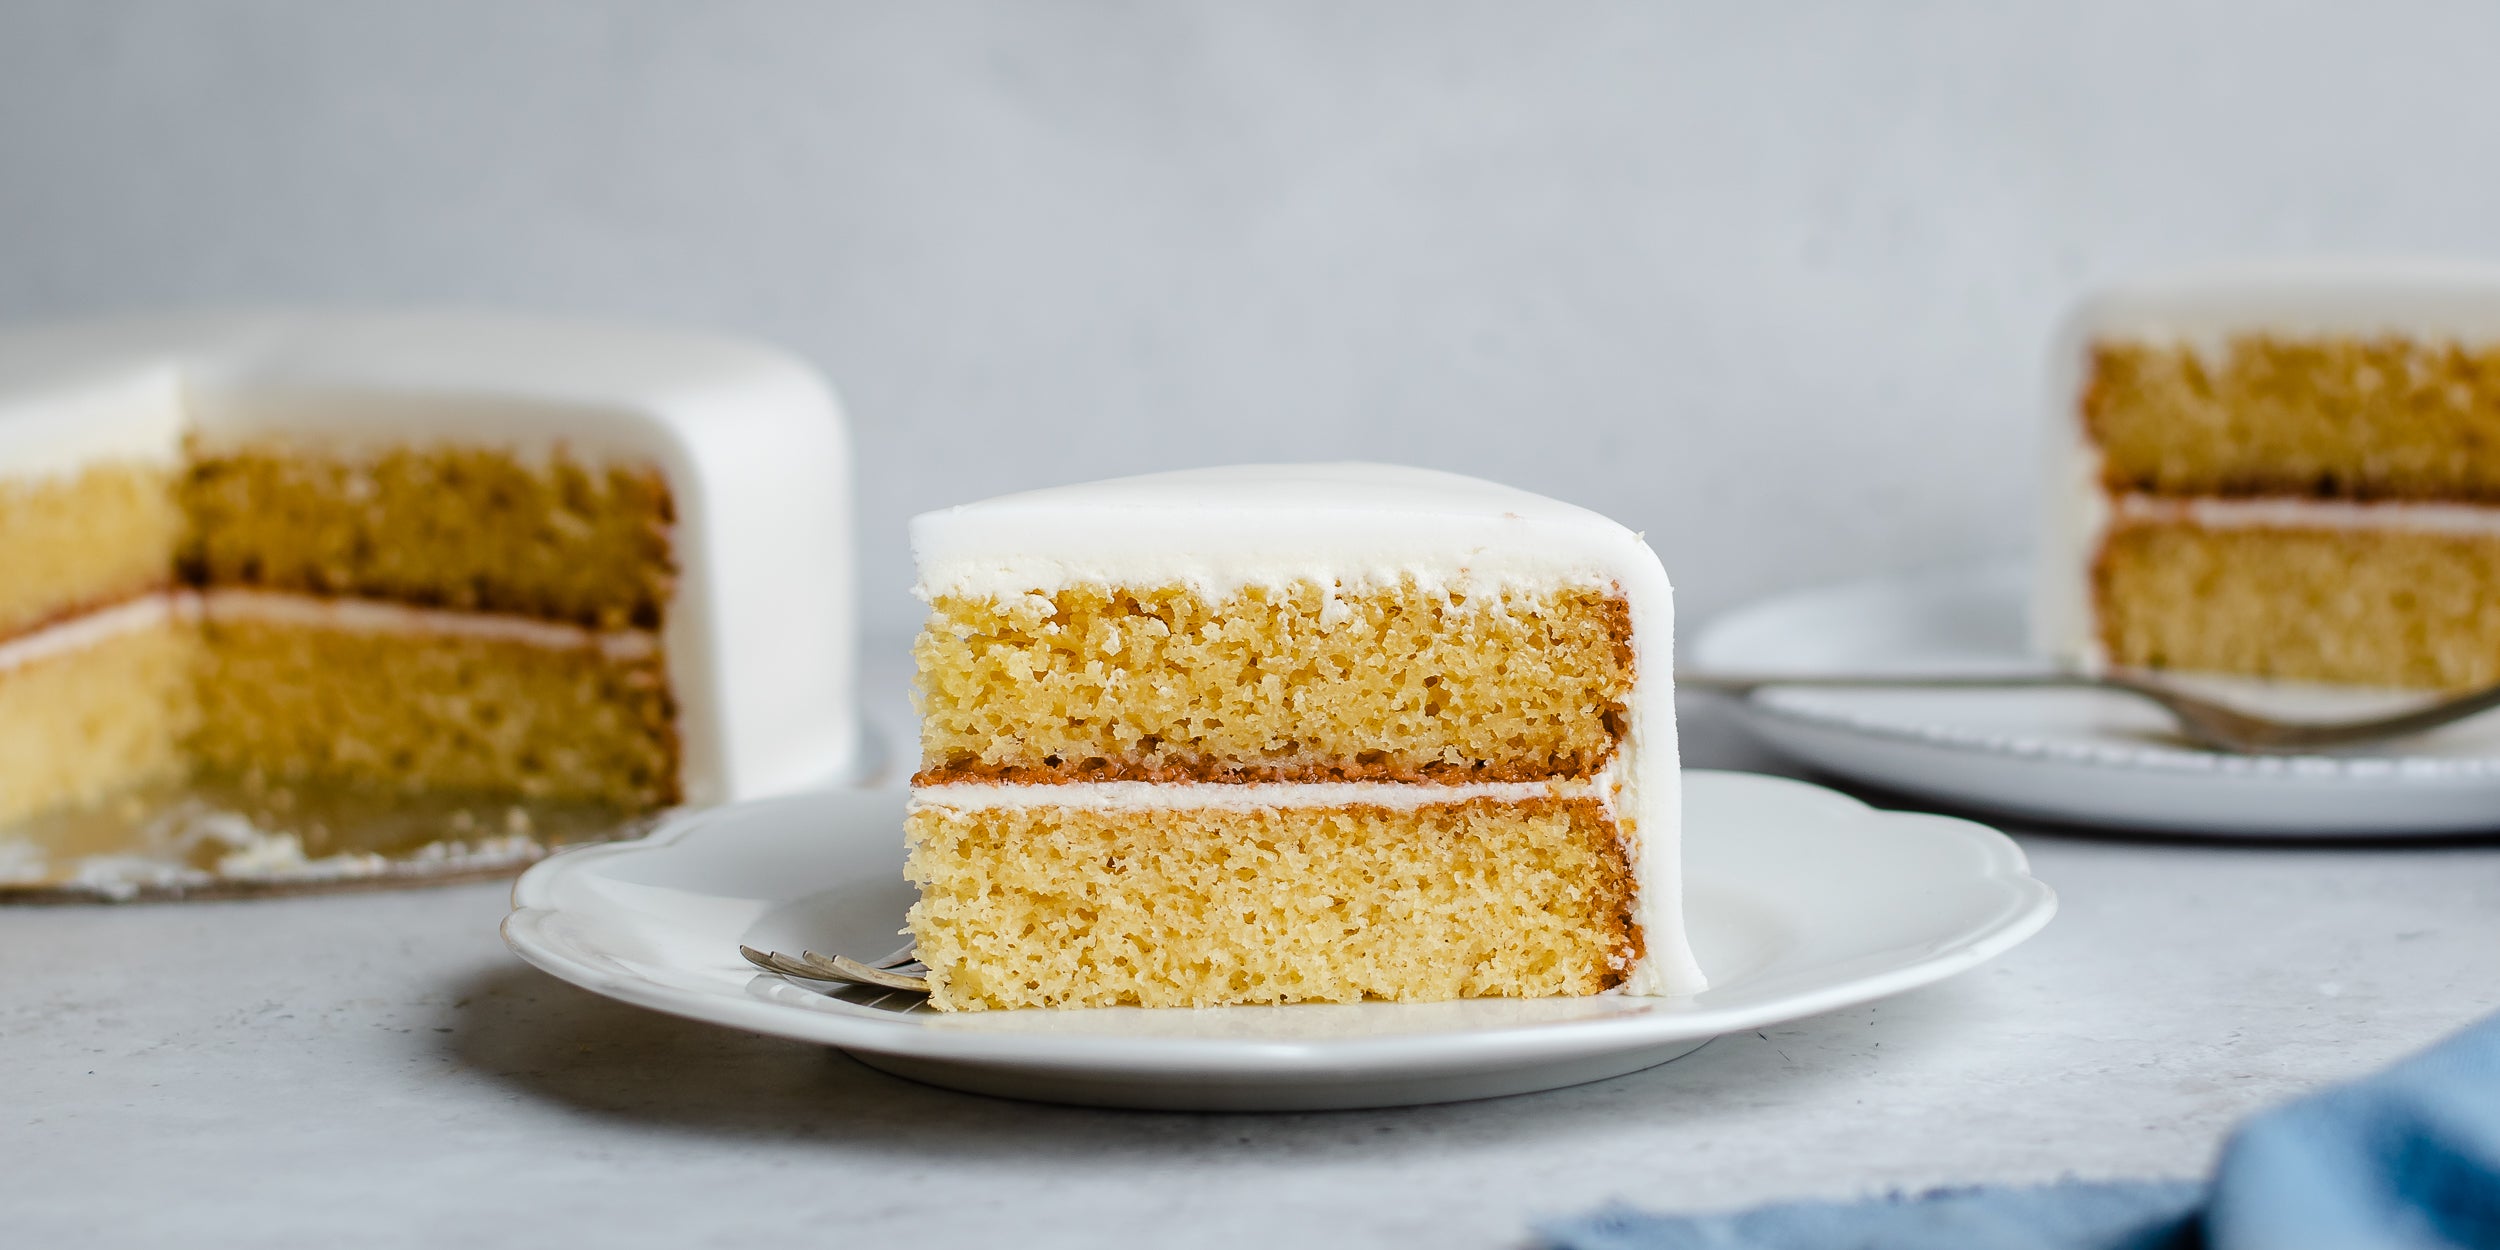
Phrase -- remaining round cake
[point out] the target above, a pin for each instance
(1292, 733)
(2286, 472)
(419, 551)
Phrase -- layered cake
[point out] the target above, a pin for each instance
(1307, 733)
(415, 553)
(2289, 474)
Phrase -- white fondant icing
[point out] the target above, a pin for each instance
(1357, 525)
(60, 426)
(2438, 301)
(759, 640)
(2075, 514)
(1217, 530)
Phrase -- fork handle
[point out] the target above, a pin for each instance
(1747, 683)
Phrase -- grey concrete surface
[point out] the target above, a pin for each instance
(379, 1071)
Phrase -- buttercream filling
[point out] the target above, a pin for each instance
(316, 612)
(81, 632)
(1254, 796)
(2283, 512)
(383, 616)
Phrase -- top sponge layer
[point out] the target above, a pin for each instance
(2347, 381)
(1304, 545)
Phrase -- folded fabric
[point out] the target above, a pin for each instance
(2140, 1215)
(2407, 1158)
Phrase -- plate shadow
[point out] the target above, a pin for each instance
(549, 1041)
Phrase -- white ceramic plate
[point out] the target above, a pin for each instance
(2072, 755)
(1801, 900)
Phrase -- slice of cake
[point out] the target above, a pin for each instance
(1300, 733)
(2282, 474)
(418, 552)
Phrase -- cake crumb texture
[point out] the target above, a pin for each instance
(2368, 607)
(1299, 683)
(2328, 417)
(293, 703)
(1066, 907)
(81, 726)
(469, 528)
(84, 540)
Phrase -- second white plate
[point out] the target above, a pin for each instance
(2080, 756)
(1801, 901)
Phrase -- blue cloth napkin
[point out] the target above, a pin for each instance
(2404, 1159)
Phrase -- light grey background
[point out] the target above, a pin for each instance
(1770, 283)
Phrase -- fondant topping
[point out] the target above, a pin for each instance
(2432, 300)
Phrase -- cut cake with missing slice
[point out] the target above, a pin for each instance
(412, 552)
(1296, 733)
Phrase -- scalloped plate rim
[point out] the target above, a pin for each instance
(2072, 756)
(548, 930)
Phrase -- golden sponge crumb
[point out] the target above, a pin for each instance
(1160, 683)
(1064, 907)
(81, 726)
(456, 527)
(2382, 608)
(464, 528)
(415, 712)
(84, 541)
(2341, 417)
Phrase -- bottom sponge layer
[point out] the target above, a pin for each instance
(2370, 607)
(421, 712)
(82, 725)
(1044, 906)
(149, 692)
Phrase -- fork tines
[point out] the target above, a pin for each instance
(810, 966)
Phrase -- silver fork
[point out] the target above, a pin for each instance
(2200, 720)
(894, 972)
